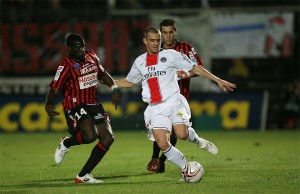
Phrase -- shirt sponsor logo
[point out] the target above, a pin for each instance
(88, 81)
(58, 71)
(88, 69)
(154, 74)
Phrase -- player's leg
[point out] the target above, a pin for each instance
(162, 137)
(160, 164)
(81, 128)
(184, 130)
(161, 127)
(106, 138)
(153, 163)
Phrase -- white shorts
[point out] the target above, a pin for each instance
(173, 111)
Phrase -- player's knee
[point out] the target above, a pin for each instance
(163, 145)
(181, 132)
(108, 140)
(90, 137)
(182, 136)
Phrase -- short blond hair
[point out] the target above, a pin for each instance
(151, 29)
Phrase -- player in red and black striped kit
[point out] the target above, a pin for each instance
(77, 77)
(168, 31)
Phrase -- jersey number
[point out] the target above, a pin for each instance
(82, 112)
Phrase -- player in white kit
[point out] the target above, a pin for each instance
(157, 69)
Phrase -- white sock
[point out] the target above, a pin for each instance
(175, 156)
(193, 137)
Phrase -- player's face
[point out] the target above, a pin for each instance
(77, 51)
(152, 42)
(169, 36)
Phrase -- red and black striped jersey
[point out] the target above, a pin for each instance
(188, 50)
(78, 80)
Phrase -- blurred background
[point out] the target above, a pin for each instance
(253, 43)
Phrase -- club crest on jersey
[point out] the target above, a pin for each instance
(163, 59)
(76, 66)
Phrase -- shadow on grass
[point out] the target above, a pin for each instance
(69, 182)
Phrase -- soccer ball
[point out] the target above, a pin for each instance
(193, 172)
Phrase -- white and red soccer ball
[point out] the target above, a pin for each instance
(193, 172)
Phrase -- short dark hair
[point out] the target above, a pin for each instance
(73, 38)
(151, 29)
(167, 22)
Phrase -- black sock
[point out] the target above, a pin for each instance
(156, 150)
(71, 141)
(97, 154)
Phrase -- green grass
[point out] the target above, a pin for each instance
(248, 162)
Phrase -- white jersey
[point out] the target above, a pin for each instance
(158, 74)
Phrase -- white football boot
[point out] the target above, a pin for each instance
(88, 178)
(60, 151)
(208, 146)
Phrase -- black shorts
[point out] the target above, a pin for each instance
(78, 114)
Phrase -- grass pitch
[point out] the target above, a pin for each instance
(248, 162)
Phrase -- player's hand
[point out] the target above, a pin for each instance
(116, 98)
(225, 85)
(182, 74)
(50, 110)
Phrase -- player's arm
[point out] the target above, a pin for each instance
(195, 58)
(123, 83)
(108, 80)
(203, 72)
(49, 105)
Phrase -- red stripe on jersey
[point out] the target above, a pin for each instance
(67, 80)
(151, 59)
(155, 95)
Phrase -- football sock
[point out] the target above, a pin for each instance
(175, 156)
(173, 141)
(70, 142)
(97, 154)
(193, 137)
(156, 150)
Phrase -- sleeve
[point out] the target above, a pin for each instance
(60, 77)
(101, 71)
(181, 61)
(194, 56)
(134, 75)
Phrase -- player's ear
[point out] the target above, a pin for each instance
(145, 40)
